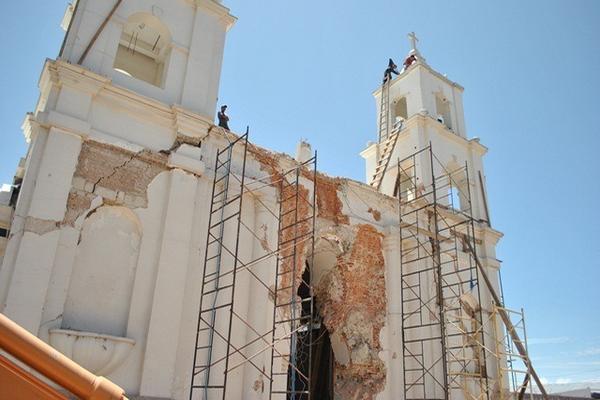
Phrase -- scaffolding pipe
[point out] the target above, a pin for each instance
(98, 32)
(508, 323)
(484, 197)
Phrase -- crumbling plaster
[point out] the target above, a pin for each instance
(152, 160)
(352, 301)
(348, 273)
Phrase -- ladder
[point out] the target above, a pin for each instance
(213, 347)
(384, 111)
(387, 148)
(387, 139)
(293, 292)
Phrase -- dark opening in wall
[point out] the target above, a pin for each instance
(14, 196)
(313, 352)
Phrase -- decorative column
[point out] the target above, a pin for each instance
(260, 311)
(393, 330)
(35, 257)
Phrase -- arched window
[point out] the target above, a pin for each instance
(456, 185)
(400, 112)
(442, 106)
(143, 49)
(454, 198)
(404, 187)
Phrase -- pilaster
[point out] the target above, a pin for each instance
(161, 345)
(392, 353)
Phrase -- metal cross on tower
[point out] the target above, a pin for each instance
(413, 41)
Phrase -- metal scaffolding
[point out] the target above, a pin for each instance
(217, 354)
(444, 327)
(514, 371)
(440, 293)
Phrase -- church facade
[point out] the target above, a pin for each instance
(181, 261)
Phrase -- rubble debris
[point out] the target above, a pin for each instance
(353, 302)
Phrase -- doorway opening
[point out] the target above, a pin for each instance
(314, 353)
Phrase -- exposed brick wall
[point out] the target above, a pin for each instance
(328, 202)
(296, 224)
(352, 302)
(120, 176)
(118, 169)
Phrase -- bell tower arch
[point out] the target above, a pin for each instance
(421, 107)
(170, 51)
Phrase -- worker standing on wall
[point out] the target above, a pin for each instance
(391, 69)
(223, 118)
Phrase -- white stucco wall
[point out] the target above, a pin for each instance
(193, 69)
(130, 266)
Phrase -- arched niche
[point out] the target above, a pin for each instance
(457, 187)
(99, 292)
(144, 49)
(443, 107)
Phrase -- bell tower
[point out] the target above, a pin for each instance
(418, 108)
(447, 246)
(170, 51)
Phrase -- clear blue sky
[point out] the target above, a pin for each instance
(531, 72)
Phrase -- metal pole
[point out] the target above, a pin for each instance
(236, 261)
(98, 32)
(402, 281)
(509, 326)
(311, 291)
(471, 226)
(485, 204)
(276, 290)
(204, 278)
(438, 268)
(211, 332)
(294, 338)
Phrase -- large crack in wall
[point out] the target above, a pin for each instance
(119, 176)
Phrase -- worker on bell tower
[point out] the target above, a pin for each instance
(391, 69)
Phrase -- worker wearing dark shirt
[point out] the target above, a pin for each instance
(391, 69)
(223, 118)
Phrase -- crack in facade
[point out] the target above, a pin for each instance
(182, 261)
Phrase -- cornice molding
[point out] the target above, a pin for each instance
(29, 127)
(77, 77)
(175, 117)
(483, 230)
(368, 152)
(477, 146)
(437, 74)
(136, 104)
(190, 124)
(219, 10)
(415, 67)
